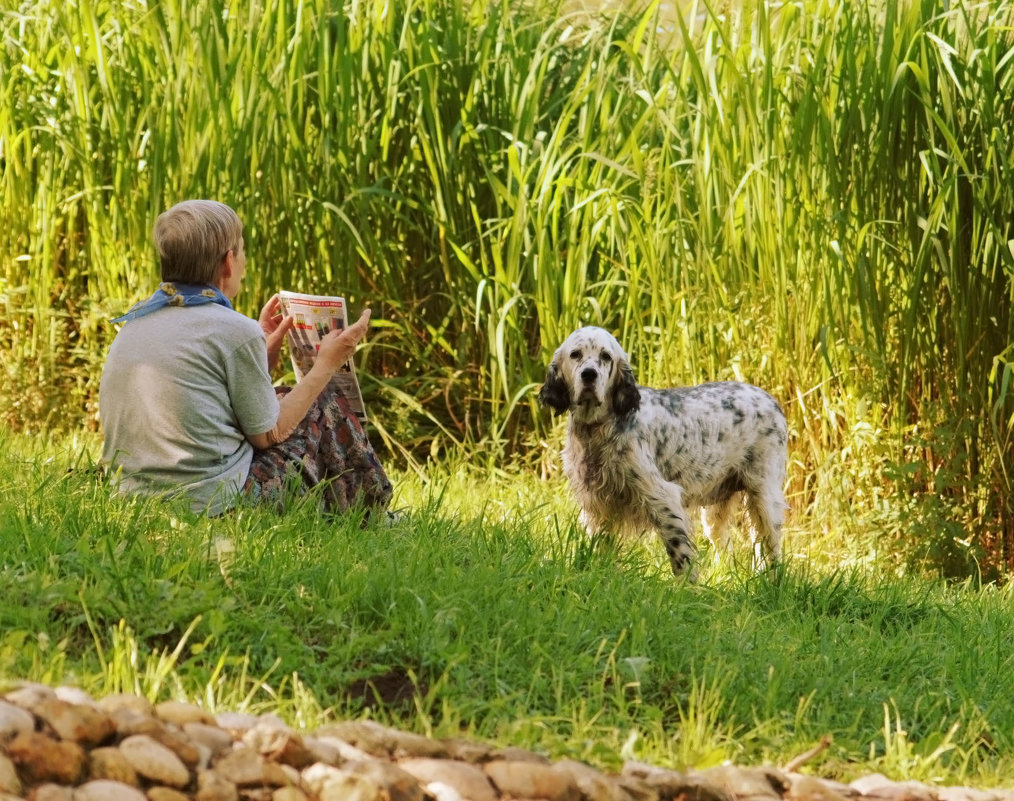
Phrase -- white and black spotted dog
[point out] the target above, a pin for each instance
(640, 458)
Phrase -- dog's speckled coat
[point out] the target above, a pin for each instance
(638, 458)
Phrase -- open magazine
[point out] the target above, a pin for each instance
(313, 317)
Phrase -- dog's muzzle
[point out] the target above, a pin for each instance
(589, 384)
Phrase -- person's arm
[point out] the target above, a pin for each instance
(335, 349)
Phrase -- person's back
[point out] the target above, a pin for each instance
(176, 400)
(186, 399)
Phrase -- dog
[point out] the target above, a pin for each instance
(638, 458)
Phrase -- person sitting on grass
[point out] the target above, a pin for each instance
(186, 401)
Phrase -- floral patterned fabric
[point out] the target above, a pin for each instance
(328, 449)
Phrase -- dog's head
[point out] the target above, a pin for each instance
(590, 376)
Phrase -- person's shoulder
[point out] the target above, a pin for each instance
(230, 317)
(236, 326)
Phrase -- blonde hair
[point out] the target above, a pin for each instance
(192, 238)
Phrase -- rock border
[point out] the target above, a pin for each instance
(60, 744)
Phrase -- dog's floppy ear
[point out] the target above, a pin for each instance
(626, 394)
(554, 392)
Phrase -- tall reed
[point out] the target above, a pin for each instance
(811, 195)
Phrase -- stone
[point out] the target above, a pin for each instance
(880, 787)
(173, 739)
(468, 751)
(14, 720)
(637, 789)
(204, 755)
(159, 793)
(902, 791)
(213, 787)
(130, 721)
(378, 740)
(51, 792)
(513, 754)
(42, 759)
(810, 788)
(333, 750)
(395, 783)
(29, 694)
(179, 713)
(106, 790)
(869, 782)
(9, 781)
(243, 767)
(366, 735)
(287, 774)
(594, 785)
(467, 780)
(319, 774)
(111, 763)
(279, 745)
(322, 751)
(126, 702)
(670, 784)
(238, 722)
(526, 779)
(339, 785)
(212, 740)
(154, 761)
(745, 783)
(439, 791)
(966, 794)
(78, 722)
(74, 695)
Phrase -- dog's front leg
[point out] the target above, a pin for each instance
(669, 517)
(590, 523)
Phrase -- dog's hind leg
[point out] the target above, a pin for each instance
(766, 512)
(715, 522)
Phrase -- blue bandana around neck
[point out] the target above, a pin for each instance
(169, 294)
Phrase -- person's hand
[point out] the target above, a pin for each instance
(337, 346)
(275, 326)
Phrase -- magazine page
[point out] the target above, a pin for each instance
(313, 317)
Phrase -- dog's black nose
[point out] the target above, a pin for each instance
(589, 374)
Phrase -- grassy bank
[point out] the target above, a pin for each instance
(485, 613)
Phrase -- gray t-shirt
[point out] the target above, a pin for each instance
(180, 389)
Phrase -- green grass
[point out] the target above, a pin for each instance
(486, 613)
(812, 196)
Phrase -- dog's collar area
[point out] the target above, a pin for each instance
(582, 427)
(587, 408)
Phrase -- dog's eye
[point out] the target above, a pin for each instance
(575, 354)
(606, 358)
